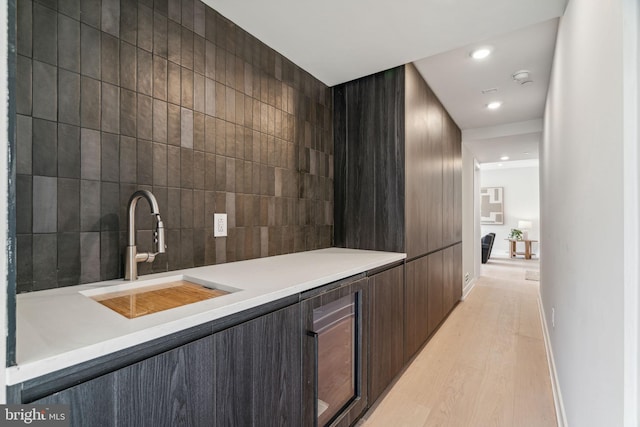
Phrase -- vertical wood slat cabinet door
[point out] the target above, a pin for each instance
(387, 329)
(258, 371)
(410, 311)
(448, 293)
(171, 389)
(457, 272)
(435, 290)
(90, 404)
(277, 368)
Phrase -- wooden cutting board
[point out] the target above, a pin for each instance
(152, 299)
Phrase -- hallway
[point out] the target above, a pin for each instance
(486, 365)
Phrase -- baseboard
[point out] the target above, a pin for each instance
(467, 289)
(555, 385)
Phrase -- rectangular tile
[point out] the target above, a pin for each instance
(68, 151)
(68, 205)
(128, 66)
(109, 206)
(128, 161)
(186, 99)
(173, 166)
(110, 109)
(186, 248)
(90, 154)
(90, 103)
(186, 209)
(90, 205)
(198, 54)
(159, 164)
(145, 72)
(174, 8)
(24, 89)
(160, 34)
(110, 59)
(186, 168)
(198, 131)
(199, 18)
(45, 34)
(173, 124)
(90, 11)
(186, 48)
(174, 42)
(128, 112)
(24, 24)
(210, 60)
(110, 157)
(24, 263)
(145, 28)
(68, 43)
(24, 204)
(145, 117)
(90, 257)
(186, 125)
(68, 97)
(159, 121)
(210, 172)
(187, 14)
(198, 170)
(110, 259)
(173, 212)
(209, 134)
(45, 92)
(111, 17)
(129, 21)
(45, 204)
(145, 162)
(174, 77)
(90, 51)
(45, 261)
(160, 78)
(199, 92)
(45, 146)
(24, 138)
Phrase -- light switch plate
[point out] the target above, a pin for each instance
(219, 225)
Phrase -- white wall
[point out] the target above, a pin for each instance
(470, 232)
(582, 178)
(521, 202)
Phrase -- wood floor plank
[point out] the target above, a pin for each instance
(485, 366)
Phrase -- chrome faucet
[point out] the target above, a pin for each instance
(133, 257)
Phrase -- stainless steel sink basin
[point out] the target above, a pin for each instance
(144, 297)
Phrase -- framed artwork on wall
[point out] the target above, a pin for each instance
(492, 205)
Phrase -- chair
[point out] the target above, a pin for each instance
(487, 245)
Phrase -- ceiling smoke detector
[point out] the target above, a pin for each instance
(522, 77)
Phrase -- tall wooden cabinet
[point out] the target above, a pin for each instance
(398, 187)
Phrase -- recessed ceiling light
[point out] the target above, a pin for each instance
(526, 153)
(480, 53)
(504, 158)
(494, 105)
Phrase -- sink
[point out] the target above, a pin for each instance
(144, 297)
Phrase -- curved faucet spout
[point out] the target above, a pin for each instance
(133, 257)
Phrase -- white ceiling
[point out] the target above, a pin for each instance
(338, 41)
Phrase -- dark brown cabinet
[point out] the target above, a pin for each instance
(386, 357)
(249, 374)
(397, 165)
(416, 306)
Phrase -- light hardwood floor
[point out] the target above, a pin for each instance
(485, 366)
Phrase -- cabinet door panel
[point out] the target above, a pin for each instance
(277, 369)
(387, 330)
(448, 294)
(91, 403)
(457, 272)
(435, 288)
(171, 389)
(258, 371)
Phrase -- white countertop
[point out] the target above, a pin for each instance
(59, 328)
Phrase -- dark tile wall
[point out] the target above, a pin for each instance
(169, 96)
